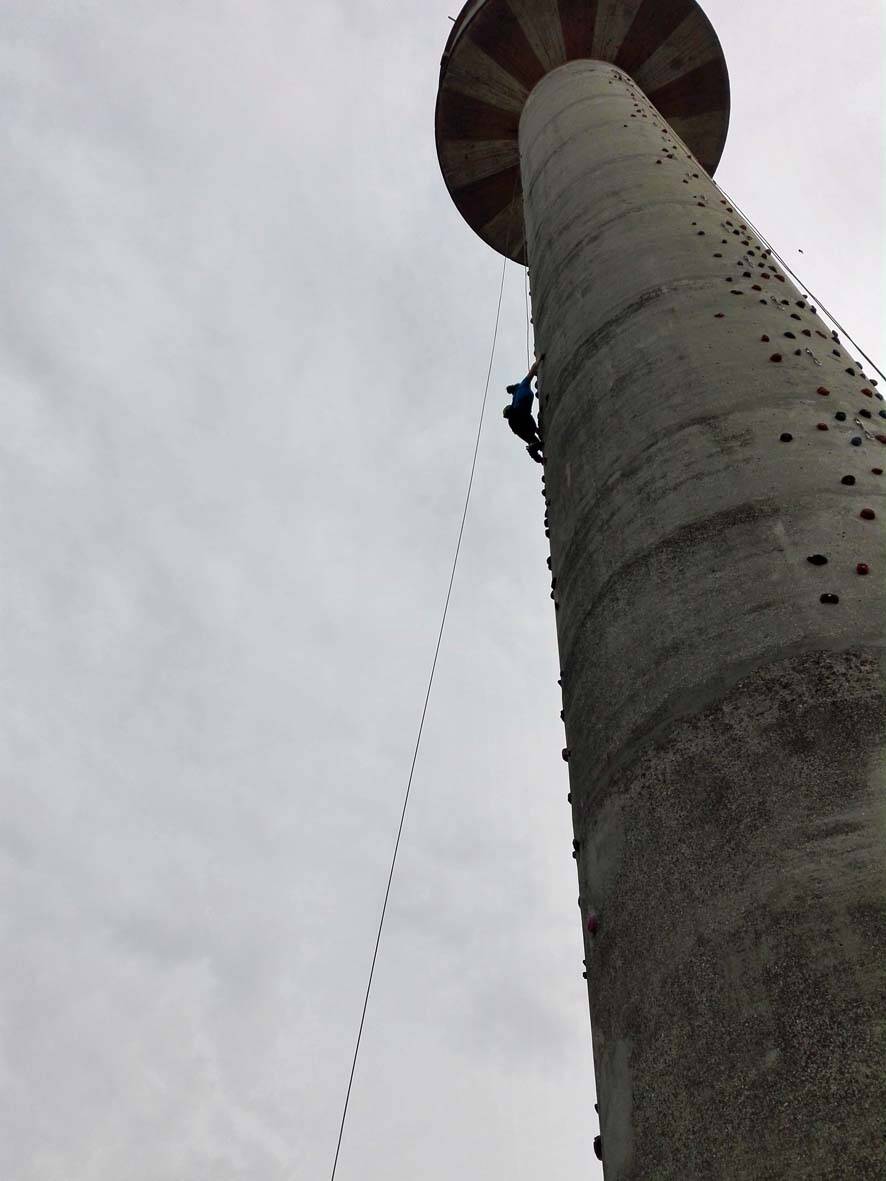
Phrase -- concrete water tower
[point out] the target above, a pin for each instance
(715, 491)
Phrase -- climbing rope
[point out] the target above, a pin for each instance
(421, 723)
(526, 294)
(812, 296)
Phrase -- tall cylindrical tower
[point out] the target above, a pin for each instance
(715, 489)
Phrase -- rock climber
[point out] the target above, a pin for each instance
(519, 413)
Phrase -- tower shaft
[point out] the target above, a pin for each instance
(725, 725)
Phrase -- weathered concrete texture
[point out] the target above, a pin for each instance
(726, 727)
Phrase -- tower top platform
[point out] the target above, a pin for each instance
(499, 49)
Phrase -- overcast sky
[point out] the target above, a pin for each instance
(243, 338)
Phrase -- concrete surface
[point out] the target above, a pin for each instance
(725, 727)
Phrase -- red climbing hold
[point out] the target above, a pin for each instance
(880, 438)
(868, 514)
(868, 393)
(863, 568)
(823, 426)
(765, 339)
(720, 316)
(776, 357)
(824, 391)
(593, 924)
(876, 471)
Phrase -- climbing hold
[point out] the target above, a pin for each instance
(855, 440)
(840, 416)
(786, 438)
(876, 471)
(569, 798)
(851, 371)
(817, 560)
(831, 600)
(882, 413)
(868, 514)
(862, 568)
(790, 336)
(720, 316)
(798, 352)
(765, 339)
(756, 287)
(593, 923)
(794, 316)
(718, 256)
(849, 480)
(598, 1147)
(576, 844)
(824, 391)
(567, 754)
(865, 414)
(738, 293)
(880, 438)
(868, 393)
(776, 358)
(823, 426)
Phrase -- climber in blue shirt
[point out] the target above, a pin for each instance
(519, 413)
